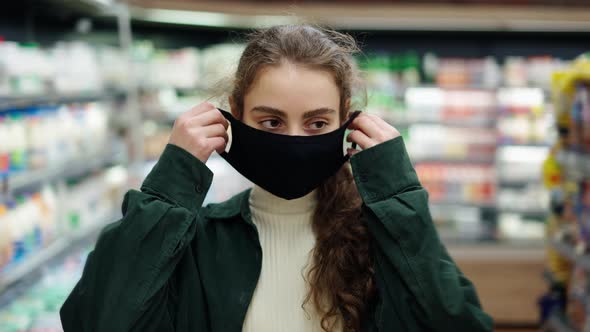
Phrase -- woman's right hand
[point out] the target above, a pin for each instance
(200, 131)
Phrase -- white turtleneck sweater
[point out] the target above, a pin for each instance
(286, 237)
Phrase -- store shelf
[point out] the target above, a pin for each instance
(525, 212)
(484, 205)
(518, 251)
(519, 182)
(529, 211)
(449, 160)
(180, 90)
(411, 17)
(442, 122)
(558, 323)
(569, 252)
(531, 145)
(69, 168)
(28, 272)
(7, 103)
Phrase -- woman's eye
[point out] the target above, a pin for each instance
(271, 124)
(318, 125)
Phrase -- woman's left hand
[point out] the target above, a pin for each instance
(368, 131)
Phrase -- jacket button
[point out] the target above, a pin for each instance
(198, 188)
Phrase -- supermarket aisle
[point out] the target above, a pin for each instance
(501, 150)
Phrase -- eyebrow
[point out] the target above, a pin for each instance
(269, 110)
(319, 111)
(306, 115)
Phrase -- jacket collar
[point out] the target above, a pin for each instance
(237, 205)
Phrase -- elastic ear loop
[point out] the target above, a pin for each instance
(350, 119)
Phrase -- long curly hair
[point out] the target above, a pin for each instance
(340, 275)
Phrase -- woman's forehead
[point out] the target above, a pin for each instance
(293, 89)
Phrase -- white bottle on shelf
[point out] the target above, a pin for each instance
(5, 245)
(16, 233)
(49, 225)
(5, 147)
(18, 147)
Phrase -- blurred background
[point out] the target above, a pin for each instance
(492, 98)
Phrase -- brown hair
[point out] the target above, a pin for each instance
(341, 272)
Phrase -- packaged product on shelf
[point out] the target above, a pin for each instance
(567, 176)
(18, 147)
(76, 68)
(520, 163)
(29, 225)
(41, 137)
(451, 143)
(5, 239)
(457, 72)
(38, 308)
(17, 232)
(35, 221)
(470, 184)
(389, 75)
(460, 106)
(66, 68)
(532, 71)
(523, 117)
(27, 68)
(387, 79)
(113, 63)
(5, 147)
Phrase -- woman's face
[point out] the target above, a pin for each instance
(292, 99)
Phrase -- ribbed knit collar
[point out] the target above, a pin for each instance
(262, 200)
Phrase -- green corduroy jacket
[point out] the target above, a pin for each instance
(171, 264)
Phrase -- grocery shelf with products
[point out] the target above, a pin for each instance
(84, 120)
(36, 306)
(476, 116)
(566, 175)
(63, 165)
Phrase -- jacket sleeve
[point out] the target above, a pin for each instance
(442, 298)
(124, 283)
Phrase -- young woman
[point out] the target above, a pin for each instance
(321, 243)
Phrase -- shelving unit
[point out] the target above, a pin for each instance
(76, 194)
(65, 169)
(14, 281)
(567, 175)
(13, 102)
(167, 25)
(522, 201)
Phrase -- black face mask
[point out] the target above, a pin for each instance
(286, 166)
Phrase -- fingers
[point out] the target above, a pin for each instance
(214, 130)
(199, 109)
(370, 130)
(360, 138)
(207, 118)
(217, 143)
(365, 124)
